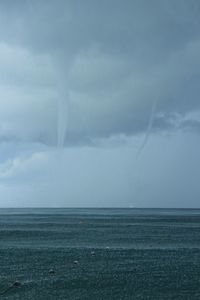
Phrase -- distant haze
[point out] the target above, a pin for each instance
(99, 103)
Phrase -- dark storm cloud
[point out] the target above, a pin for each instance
(114, 60)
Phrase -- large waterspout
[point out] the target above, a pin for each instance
(62, 119)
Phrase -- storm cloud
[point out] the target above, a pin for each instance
(111, 59)
(85, 76)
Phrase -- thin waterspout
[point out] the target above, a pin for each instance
(149, 128)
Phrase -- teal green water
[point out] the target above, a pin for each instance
(100, 254)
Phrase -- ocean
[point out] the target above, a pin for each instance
(99, 254)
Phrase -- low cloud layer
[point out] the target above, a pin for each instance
(106, 62)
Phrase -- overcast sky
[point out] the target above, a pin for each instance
(99, 103)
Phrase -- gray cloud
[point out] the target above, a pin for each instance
(88, 73)
(191, 125)
(110, 61)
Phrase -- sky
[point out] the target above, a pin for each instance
(99, 103)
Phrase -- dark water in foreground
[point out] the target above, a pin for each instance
(100, 254)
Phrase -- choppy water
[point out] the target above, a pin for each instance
(100, 253)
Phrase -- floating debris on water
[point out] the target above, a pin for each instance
(16, 284)
(51, 272)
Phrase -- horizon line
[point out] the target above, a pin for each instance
(93, 207)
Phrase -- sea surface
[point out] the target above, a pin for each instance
(99, 254)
